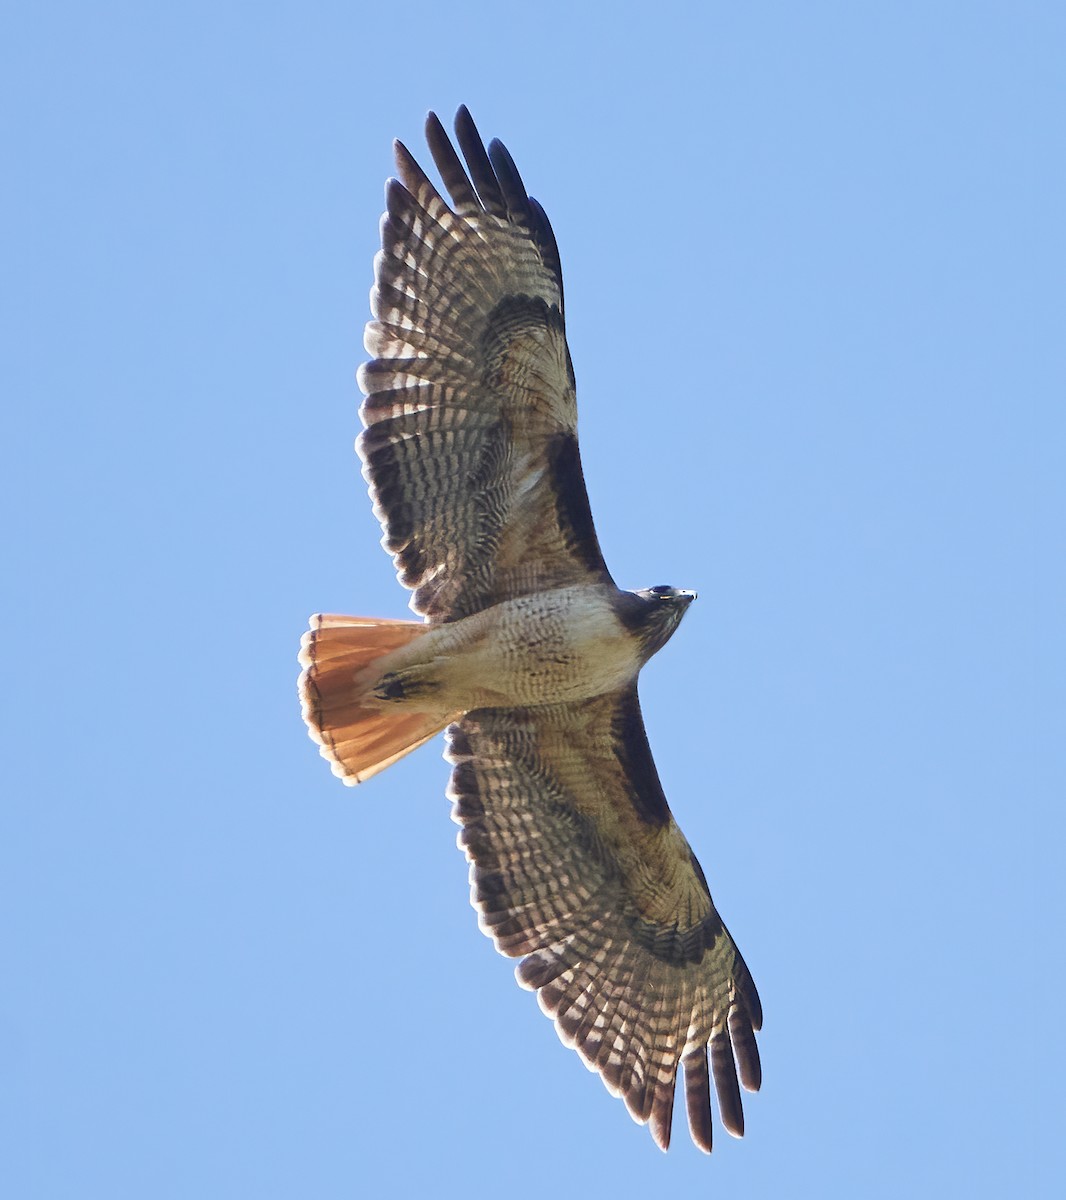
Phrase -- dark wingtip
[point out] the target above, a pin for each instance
(514, 190)
(465, 126)
(490, 181)
(698, 1099)
(661, 1119)
(413, 178)
(724, 1072)
(745, 1049)
(433, 122)
(500, 156)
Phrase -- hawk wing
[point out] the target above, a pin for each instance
(578, 868)
(470, 447)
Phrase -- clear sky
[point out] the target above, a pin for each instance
(813, 258)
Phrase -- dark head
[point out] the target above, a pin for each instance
(654, 613)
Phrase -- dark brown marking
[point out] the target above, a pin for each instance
(677, 946)
(631, 610)
(572, 508)
(634, 754)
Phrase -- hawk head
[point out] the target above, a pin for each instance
(657, 613)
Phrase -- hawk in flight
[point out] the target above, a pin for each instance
(528, 652)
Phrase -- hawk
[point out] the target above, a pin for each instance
(528, 652)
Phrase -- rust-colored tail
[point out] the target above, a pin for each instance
(354, 731)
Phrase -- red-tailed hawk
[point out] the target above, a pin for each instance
(528, 651)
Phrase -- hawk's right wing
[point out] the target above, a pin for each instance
(578, 868)
(470, 447)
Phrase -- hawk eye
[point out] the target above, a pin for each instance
(662, 589)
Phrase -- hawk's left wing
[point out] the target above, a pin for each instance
(578, 867)
(470, 448)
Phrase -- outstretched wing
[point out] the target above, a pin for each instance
(578, 867)
(470, 447)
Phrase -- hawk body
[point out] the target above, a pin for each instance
(528, 650)
(550, 647)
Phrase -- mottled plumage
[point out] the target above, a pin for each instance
(528, 649)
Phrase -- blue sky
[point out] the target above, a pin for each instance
(813, 257)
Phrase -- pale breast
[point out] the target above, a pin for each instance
(564, 644)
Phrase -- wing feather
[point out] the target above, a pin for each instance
(452, 172)
(698, 1098)
(480, 167)
(584, 876)
(470, 446)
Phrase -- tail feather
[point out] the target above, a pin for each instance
(354, 732)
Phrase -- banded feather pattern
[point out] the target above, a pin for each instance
(470, 446)
(608, 909)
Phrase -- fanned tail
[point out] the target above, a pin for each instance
(356, 732)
